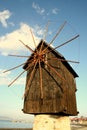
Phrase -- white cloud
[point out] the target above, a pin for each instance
(4, 53)
(38, 31)
(41, 31)
(10, 42)
(38, 9)
(4, 15)
(55, 11)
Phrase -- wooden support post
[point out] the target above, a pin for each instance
(51, 122)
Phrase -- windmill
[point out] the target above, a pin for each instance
(50, 85)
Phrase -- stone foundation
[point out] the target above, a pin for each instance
(51, 122)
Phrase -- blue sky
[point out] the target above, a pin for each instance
(16, 18)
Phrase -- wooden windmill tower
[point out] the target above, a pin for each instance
(50, 85)
(50, 82)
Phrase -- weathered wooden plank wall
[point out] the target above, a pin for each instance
(58, 94)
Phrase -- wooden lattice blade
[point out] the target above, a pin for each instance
(30, 65)
(14, 67)
(67, 41)
(46, 30)
(30, 79)
(26, 46)
(52, 49)
(52, 58)
(16, 78)
(41, 79)
(60, 29)
(45, 34)
(18, 56)
(59, 75)
(33, 38)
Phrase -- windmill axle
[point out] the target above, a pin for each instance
(39, 57)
